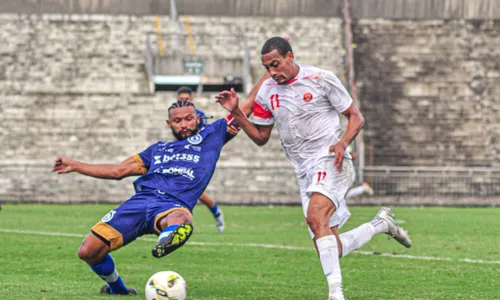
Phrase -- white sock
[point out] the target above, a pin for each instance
(354, 192)
(357, 237)
(329, 257)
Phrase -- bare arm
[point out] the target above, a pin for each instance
(354, 126)
(229, 100)
(128, 167)
(247, 105)
(259, 134)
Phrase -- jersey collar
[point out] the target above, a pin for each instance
(299, 75)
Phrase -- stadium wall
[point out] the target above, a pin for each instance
(362, 9)
(430, 92)
(75, 85)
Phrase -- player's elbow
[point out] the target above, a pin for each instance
(260, 140)
(119, 173)
(361, 121)
(357, 119)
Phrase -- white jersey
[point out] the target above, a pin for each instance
(306, 110)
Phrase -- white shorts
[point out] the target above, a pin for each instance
(324, 178)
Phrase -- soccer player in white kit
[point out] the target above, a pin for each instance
(305, 103)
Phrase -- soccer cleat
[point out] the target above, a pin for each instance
(106, 290)
(177, 238)
(219, 222)
(395, 231)
(336, 292)
(368, 189)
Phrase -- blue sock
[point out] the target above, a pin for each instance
(107, 271)
(215, 210)
(167, 231)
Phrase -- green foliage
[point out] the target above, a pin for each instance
(245, 262)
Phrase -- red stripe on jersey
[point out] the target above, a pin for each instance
(292, 80)
(261, 112)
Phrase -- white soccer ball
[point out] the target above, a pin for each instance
(166, 285)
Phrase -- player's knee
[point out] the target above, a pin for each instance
(176, 217)
(316, 222)
(91, 253)
(84, 253)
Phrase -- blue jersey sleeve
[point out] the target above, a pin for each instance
(145, 156)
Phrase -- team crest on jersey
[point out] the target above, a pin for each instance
(109, 216)
(307, 97)
(195, 139)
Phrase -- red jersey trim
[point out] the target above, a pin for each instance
(261, 112)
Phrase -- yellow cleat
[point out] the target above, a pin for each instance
(176, 239)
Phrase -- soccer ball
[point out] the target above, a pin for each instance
(166, 285)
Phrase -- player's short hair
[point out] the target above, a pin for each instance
(276, 43)
(180, 103)
(185, 89)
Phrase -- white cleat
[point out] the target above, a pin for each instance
(395, 231)
(219, 222)
(336, 292)
(368, 189)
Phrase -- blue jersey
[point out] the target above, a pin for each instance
(203, 118)
(182, 169)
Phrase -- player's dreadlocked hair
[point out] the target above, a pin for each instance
(180, 103)
(278, 43)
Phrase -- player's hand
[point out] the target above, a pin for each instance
(228, 100)
(63, 165)
(339, 151)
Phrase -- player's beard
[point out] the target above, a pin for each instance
(179, 136)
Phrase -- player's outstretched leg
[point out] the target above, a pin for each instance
(172, 237)
(394, 231)
(382, 223)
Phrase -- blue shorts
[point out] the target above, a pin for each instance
(137, 216)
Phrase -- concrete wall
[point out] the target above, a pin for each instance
(430, 92)
(362, 9)
(75, 85)
(108, 128)
(105, 54)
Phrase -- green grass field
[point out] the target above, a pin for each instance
(456, 255)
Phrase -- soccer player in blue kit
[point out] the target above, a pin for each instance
(174, 175)
(185, 93)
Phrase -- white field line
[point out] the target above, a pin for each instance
(270, 246)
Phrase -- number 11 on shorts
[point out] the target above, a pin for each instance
(321, 176)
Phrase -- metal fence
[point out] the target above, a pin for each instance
(450, 182)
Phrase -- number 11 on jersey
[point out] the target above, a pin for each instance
(275, 101)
